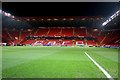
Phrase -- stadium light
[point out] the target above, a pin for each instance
(71, 19)
(42, 19)
(83, 18)
(111, 18)
(48, 19)
(0, 11)
(5, 14)
(18, 20)
(33, 19)
(55, 19)
(98, 18)
(64, 18)
(95, 29)
(28, 19)
(118, 12)
(8, 14)
(13, 16)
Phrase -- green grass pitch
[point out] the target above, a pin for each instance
(58, 62)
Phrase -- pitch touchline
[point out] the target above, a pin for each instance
(103, 70)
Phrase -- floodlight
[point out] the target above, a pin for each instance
(8, 14)
(64, 18)
(48, 19)
(5, 14)
(42, 19)
(13, 16)
(55, 19)
(28, 19)
(33, 19)
(71, 19)
(104, 24)
(0, 11)
(18, 20)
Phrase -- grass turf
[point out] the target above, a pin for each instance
(58, 62)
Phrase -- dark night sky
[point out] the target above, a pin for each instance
(33, 9)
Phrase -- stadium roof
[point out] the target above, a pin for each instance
(77, 14)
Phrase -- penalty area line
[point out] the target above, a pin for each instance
(103, 70)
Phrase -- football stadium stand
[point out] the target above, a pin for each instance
(60, 35)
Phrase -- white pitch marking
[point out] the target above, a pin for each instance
(103, 70)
